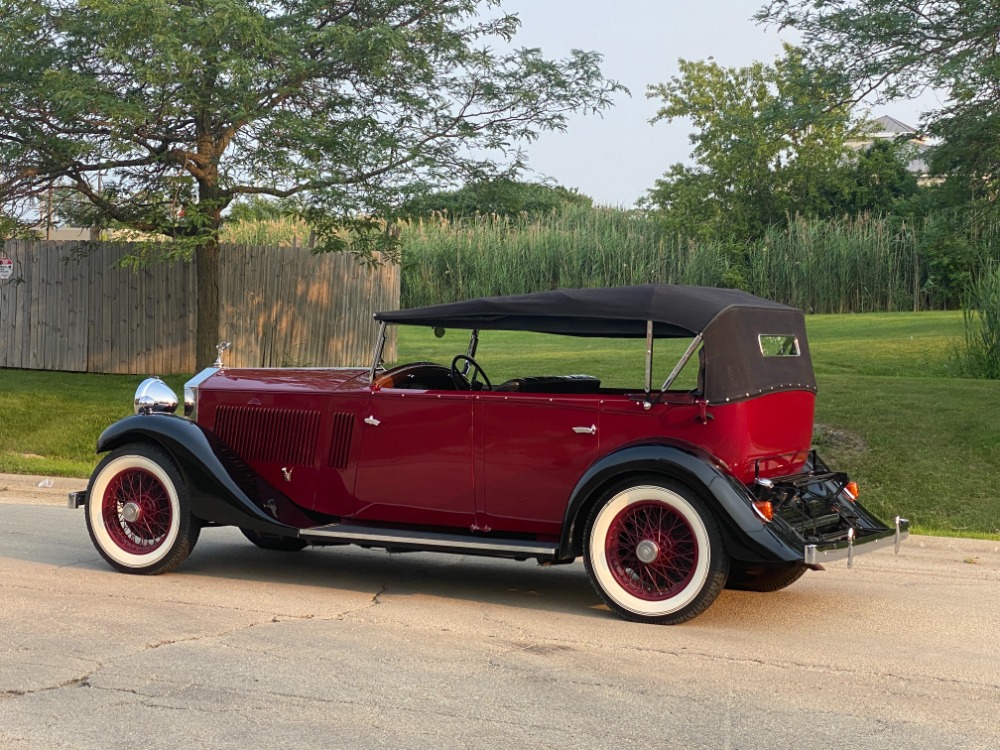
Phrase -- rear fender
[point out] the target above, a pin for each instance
(215, 496)
(745, 535)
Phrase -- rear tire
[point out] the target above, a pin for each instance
(654, 552)
(138, 513)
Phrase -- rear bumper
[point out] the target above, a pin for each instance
(815, 554)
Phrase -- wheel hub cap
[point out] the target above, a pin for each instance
(130, 512)
(647, 550)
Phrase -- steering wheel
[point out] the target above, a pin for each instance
(461, 384)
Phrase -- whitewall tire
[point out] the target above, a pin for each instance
(654, 552)
(137, 511)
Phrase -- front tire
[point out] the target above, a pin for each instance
(138, 513)
(654, 552)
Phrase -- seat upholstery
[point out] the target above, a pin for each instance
(552, 384)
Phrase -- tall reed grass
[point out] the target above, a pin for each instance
(821, 266)
(283, 232)
(981, 355)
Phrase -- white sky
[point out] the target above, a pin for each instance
(617, 158)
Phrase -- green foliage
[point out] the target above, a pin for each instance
(258, 208)
(501, 197)
(13, 228)
(769, 140)
(897, 50)
(873, 180)
(981, 356)
(847, 265)
(577, 247)
(181, 108)
(160, 114)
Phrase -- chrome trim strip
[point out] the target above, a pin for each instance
(473, 348)
(695, 343)
(649, 356)
(813, 554)
(432, 541)
(377, 353)
(191, 391)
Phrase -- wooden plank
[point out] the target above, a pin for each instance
(24, 339)
(36, 333)
(9, 306)
(78, 311)
(108, 290)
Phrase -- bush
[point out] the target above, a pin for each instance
(981, 356)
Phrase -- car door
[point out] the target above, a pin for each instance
(535, 448)
(416, 462)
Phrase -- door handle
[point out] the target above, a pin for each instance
(372, 421)
(592, 430)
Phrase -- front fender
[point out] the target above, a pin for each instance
(215, 496)
(747, 537)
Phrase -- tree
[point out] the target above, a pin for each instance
(767, 139)
(875, 180)
(160, 114)
(892, 49)
(502, 196)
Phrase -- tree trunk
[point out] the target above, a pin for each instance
(207, 325)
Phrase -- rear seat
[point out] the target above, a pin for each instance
(552, 384)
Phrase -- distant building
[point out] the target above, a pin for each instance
(886, 128)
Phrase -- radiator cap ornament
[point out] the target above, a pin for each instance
(221, 347)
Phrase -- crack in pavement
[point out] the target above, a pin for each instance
(375, 598)
(83, 681)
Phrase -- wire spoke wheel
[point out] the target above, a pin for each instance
(654, 552)
(137, 511)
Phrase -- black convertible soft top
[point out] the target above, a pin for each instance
(613, 312)
(730, 323)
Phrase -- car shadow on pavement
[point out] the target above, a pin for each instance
(224, 553)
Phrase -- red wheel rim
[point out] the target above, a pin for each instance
(652, 551)
(137, 511)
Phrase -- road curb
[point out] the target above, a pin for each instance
(32, 488)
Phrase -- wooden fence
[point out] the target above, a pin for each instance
(71, 306)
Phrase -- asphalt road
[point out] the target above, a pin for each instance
(346, 648)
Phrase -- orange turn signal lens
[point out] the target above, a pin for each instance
(852, 491)
(764, 509)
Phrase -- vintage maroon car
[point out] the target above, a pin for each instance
(669, 492)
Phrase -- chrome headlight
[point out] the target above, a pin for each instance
(153, 396)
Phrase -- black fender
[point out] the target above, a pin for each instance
(746, 536)
(215, 496)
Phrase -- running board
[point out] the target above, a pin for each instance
(402, 539)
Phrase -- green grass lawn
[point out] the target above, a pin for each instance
(921, 442)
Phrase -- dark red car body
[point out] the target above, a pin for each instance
(669, 494)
